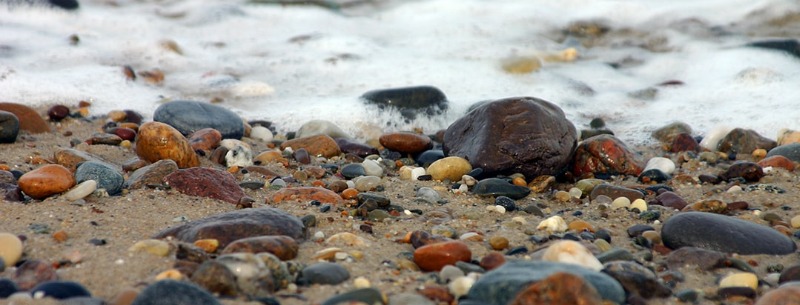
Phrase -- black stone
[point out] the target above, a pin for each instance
(409, 101)
(603, 234)
(323, 273)
(353, 170)
(170, 292)
(748, 171)
(500, 187)
(7, 288)
(636, 279)
(61, 289)
(9, 127)
(615, 254)
(65, 4)
(190, 116)
(349, 146)
(506, 203)
(790, 46)
(724, 234)
(429, 156)
(654, 175)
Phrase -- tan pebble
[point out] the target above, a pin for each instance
(471, 236)
(159, 141)
(554, 224)
(571, 252)
(209, 245)
(639, 204)
(562, 196)
(580, 226)
(653, 236)
(498, 242)
(621, 203)
(327, 254)
(60, 236)
(405, 172)
(347, 238)
(124, 297)
(153, 246)
(519, 219)
(795, 222)
(171, 274)
(541, 183)
(361, 282)
(460, 286)
(741, 279)
(449, 168)
(759, 154)
(521, 65)
(602, 245)
(117, 115)
(519, 181)
(81, 190)
(787, 136)
(406, 264)
(126, 144)
(10, 248)
(356, 254)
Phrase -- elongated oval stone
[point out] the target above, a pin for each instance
(723, 233)
(189, 116)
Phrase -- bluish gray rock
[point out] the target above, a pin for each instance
(790, 151)
(107, 176)
(9, 127)
(500, 187)
(61, 289)
(189, 116)
(170, 292)
(499, 286)
(323, 273)
(723, 233)
(353, 170)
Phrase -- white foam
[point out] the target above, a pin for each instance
(318, 61)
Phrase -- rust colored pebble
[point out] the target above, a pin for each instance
(349, 193)
(777, 161)
(159, 141)
(437, 294)
(124, 297)
(319, 145)
(784, 295)
(60, 236)
(306, 194)
(271, 156)
(492, 260)
(684, 142)
(209, 245)
(58, 112)
(580, 226)
(123, 133)
(434, 257)
(45, 181)
(29, 119)
(519, 181)
(498, 242)
(282, 246)
(206, 139)
(557, 289)
(406, 142)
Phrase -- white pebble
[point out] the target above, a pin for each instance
(239, 153)
(463, 188)
(554, 224)
(319, 235)
(361, 282)
(575, 192)
(734, 189)
(468, 180)
(261, 133)
(665, 165)
(639, 204)
(571, 252)
(621, 203)
(416, 172)
(81, 190)
(711, 140)
(500, 209)
(372, 168)
(460, 286)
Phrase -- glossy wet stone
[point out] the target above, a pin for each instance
(46, 181)
(61, 290)
(190, 116)
(171, 292)
(409, 101)
(406, 142)
(749, 171)
(206, 139)
(723, 233)
(684, 142)
(517, 135)
(283, 247)
(353, 170)
(744, 141)
(668, 133)
(107, 176)
(230, 226)
(605, 155)
(449, 168)
(433, 257)
(29, 119)
(777, 161)
(500, 187)
(429, 156)
(9, 127)
(158, 141)
(784, 295)
(349, 146)
(319, 145)
(152, 174)
(671, 200)
(206, 182)
(790, 151)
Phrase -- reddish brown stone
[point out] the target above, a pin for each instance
(406, 142)
(33, 272)
(349, 146)
(557, 289)
(777, 161)
(434, 257)
(206, 182)
(70, 158)
(152, 174)
(744, 141)
(437, 294)
(784, 295)
(123, 133)
(421, 238)
(747, 170)
(45, 181)
(29, 119)
(684, 142)
(270, 156)
(306, 194)
(605, 155)
(492, 261)
(261, 171)
(206, 139)
(284, 247)
(319, 145)
(158, 141)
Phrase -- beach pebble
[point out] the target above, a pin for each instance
(372, 168)
(691, 256)
(605, 155)
(306, 194)
(449, 168)
(559, 288)
(283, 247)
(106, 176)
(56, 113)
(9, 127)
(367, 183)
(323, 273)
(427, 157)
(104, 139)
(319, 145)
(11, 192)
(216, 277)
(374, 296)
(152, 174)
(637, 279)
(724, 234)
(239, 153)
(158, 141)
(507, 203)
(749, 171)
(32, 272)
(553, 224)
(60, 290)
(668, 133)
(491, 137)
(684, 142)
(29, 119)
(171, 292)
(261, 133)
(501, 285)
(347, 239)
(321, 127)
(660, 163)
(614, 191)
(81, 190)
(789, 274)
(71, 158)
(349, 146)
(744, 141)
(46, 180)
(433, 257)
(234, 225)
(7, 288)
(714, 136)
(253, 277)
(788, 136)
(621, 203)
(206, 139)
(189, 116)
(777, 161)
(671, 200)
(460, 286)
(428, 195)
(10, 248)
(406, 142)
(153, 246)
(409, 101)
(417, 172)
(783, 295)
(500, 187)
(571, 252)
(740, 279)
(790, 151)
(206, 182)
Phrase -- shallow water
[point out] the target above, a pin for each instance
(293, 63)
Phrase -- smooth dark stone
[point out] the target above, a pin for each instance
(323, 273)
(353, 170)
(104, 139)
(359, 296)
(61, 289)
(636, 279)
(533, 209)
(671, 200)
(378, 199)
(790, 151)
(11, 192)
(429, 156)
(516, 135)
(301, 155)
(409, 101)
(189, 116)
(206, 182)
(349, 146)
(638, 229)
(710, 179)
(615, 254)
(9, 127)
(749, 171)
(58, 112)
(500, 187)
(150, 175)
(499, 286)
(790, 46)
(216, 278)
(230, 226)
(654, 175)
(790, 274)
(603, 234)
(588, 133)
(506, 203)
(688, 295)
(107, 176)
(613, 192)
(65, 4)
(724, 234)
(171, 292)
(597, 123)
(744, 141)
(727, 292)
(7, 288)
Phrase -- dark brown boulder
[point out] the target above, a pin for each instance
(516, 135)
(744, 141)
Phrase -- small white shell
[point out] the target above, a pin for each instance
(81, 190)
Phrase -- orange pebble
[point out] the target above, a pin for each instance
(349, 193)
(318, 183)
(60, 236)
(5, 167)
(519, 181)
(209, 245)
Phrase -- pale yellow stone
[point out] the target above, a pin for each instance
(741, 279)
(153, 246)
(405, 172)
(554, 224)
(788, 136)
(361, 282)
(449, 168)
(347, 238)
(522, 64)
(171, 274)
(602, 245)
(639, 204)
(621, 203)
(460, 286)
(10, 248)
(571, 252)
(327, 254)
(796, 222)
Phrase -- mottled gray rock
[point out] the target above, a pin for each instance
(189, 116)
(106, 175)
(170, 292)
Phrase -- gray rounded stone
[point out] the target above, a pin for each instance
(9, 127)
(107, 176)
(790, 151)
(170, 292)
(189, 116)
(323, 273)
(723, 233)
(500, 187)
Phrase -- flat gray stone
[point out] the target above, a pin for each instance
(724, 234)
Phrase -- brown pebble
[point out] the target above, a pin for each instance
(284, 247)
(270, 156)
(319, 145)
(306, 194)
(206, 139)
(210, 245)
(58, 112)
(541, 183)
(29, 119)
(784, 295)
(406, 142)
(492, 260)
(580, 226)
(124, 297)
(710, 206)
(60, 236)
(777, 161)
(45, 181)
(684, 142)
(123, 133)
(33, 272)
(437, 294)
(498, 242)
(560, 288)
(434, 257)
(158, 141)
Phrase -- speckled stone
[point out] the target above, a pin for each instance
(152, 174)
(749, 171)
(560, 288)
(107, 176)
(605, 155)
(283, 247)
(744, 141)
(190, 116)
(206, 182)
(723, 233)
(159, 141)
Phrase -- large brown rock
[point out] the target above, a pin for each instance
(605, 155)
(206, 182)
(45, 181)
(29, 119)
(319, 145)
(159, 141)
(559, 288)
(515, 135)
(744, 141)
